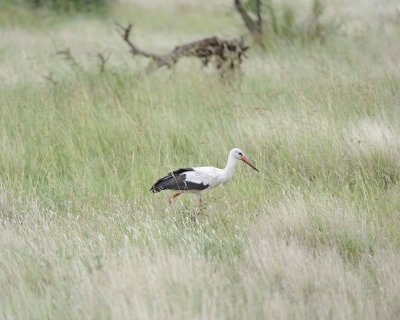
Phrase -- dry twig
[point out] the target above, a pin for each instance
(67, 55)
(50, 78)
(103, 60)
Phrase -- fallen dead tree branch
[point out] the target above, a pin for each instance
(223, 54)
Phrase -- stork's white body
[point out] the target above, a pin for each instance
(211, 176)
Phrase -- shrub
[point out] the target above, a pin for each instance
(280, 21)
(70, 5)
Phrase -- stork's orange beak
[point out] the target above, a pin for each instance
(246, 161)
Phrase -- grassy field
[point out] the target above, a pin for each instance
(314, 235)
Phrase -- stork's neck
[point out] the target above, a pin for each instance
(230, 167)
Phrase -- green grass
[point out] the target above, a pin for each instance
(314, 235)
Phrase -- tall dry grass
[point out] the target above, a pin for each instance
(314, 235)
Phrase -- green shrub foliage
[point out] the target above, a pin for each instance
(70, 5)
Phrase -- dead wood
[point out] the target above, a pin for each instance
(253, 25)
(223, 54)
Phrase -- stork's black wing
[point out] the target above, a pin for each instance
(176, 180)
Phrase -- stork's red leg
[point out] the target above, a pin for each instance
(200, 198)
(171, 200)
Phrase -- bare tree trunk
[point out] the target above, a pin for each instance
(254, 26)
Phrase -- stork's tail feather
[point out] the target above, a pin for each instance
(158, 186)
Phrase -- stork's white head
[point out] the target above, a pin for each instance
(239, 155)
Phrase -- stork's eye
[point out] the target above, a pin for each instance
(240, 154)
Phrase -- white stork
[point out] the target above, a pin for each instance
(199, 179)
